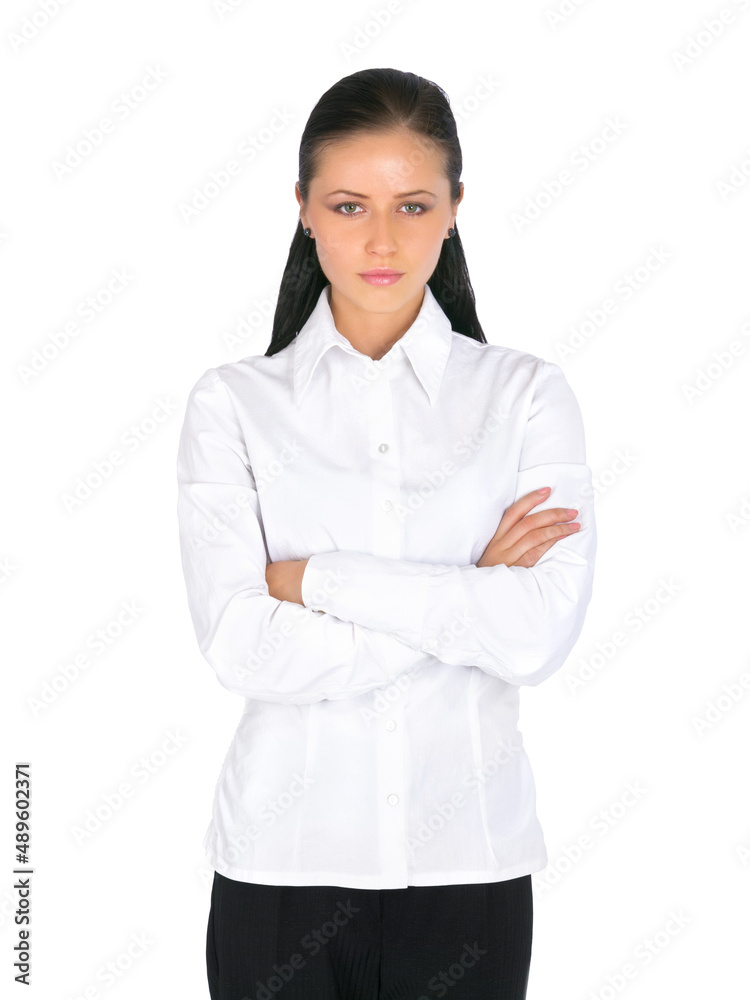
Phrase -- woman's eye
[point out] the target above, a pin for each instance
(420, 209)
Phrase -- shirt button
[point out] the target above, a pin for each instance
(387, 505)
(383, 447)
(393, 800)
(390, 725)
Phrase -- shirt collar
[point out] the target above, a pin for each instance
(426, 343)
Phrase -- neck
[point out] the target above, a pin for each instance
(373, 333)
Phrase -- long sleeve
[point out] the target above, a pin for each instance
(258, 646)
(517, 623)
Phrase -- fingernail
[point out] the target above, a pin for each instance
(544, 489)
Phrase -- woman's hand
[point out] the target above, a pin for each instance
(284, 579)
(521, 538)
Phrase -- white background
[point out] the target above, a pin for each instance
(529, 91)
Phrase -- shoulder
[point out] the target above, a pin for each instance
(256, 366)
(501, 362)
(252, 372)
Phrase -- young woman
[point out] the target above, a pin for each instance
(379, 546)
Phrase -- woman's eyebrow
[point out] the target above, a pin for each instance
(405, 194)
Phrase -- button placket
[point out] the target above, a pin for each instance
(387, 532)
(385, 465)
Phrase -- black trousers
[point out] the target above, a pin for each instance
(461, 942)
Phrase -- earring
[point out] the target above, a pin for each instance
(451, 232)
(306, 232)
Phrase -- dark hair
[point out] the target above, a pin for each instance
(375, 101)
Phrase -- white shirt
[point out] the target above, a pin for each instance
(379, 746)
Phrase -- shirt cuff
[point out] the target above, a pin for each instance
(390, 595)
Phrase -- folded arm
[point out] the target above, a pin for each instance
(258, 646)
(517, 623)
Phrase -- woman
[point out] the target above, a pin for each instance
(374, 830)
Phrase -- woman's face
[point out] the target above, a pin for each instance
(379, 201)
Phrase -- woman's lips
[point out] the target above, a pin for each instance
(381, 277)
